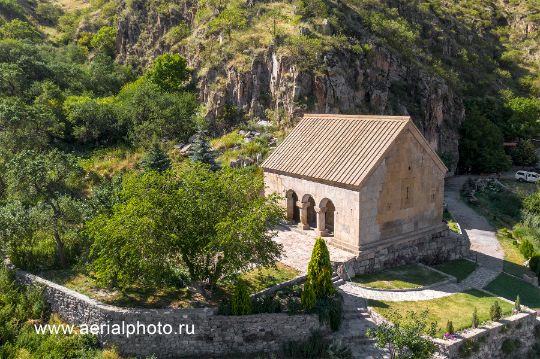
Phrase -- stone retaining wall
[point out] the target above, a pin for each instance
(214, 335)
(487, 341)
(516, 332)
(442, 245)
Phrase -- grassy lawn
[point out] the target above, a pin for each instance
(166, 296)
(509, 287)
(402, 277)
(460, 268)
(513, 259)
(457, 307)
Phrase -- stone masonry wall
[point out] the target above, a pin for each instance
(430, 247)
(213, 335)
(488, 341)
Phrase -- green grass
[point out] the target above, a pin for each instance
(513, 259)
(166, 296)
(261, 278)
(501, 209)
(402, 277)
(457, 307)
(509, 287)
(460, 268)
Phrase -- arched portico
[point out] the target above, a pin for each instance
(293, 211)
(308, 216)
(325, 217)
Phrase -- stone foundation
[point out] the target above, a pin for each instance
(215, 336)
(431, 247)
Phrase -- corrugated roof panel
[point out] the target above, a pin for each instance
(335, 148)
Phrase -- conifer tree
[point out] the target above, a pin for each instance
(201, 150)
(156, 159)
(320, 270)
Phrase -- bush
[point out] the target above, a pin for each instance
(517, 304)
(330, 311)
(450, 327)
(241, 300)
(509, 345)
(314, 347)
(524, 154)
(526, 248)
(534, 263)
(294, 306)
(266, 304)
(475, 319)
(495, 312)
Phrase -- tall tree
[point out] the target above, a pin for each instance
(49, 183)
(169, 72)
(201, 150)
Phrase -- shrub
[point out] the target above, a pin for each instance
(517, 304)
(526, 248)
(509, 345)
(534, 263)
(266, 304)
(495, 312)
(475, 319)
(524, 154)
(241, 301)
(450, 327)
(308, 296)
(330, 311)
(320, 270)
(294, 306)
(314, 347)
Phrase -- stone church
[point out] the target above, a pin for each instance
(366, 182)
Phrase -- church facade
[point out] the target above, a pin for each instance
(364, 182)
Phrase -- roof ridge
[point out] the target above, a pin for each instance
(356, 117)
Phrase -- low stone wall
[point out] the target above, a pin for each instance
(516, 333)
(203, 332)
(434, 247)
(487, 341)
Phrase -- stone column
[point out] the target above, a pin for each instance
(290, 209)
(321, 222)
(303, 215)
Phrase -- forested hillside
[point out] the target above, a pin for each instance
(102, 102)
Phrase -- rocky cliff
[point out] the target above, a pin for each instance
(243, 73)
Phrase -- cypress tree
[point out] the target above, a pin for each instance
(156, 159)
(320, 270)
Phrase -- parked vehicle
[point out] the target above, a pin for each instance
(524, 176)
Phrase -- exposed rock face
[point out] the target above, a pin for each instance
(349, 84)
(376, 83)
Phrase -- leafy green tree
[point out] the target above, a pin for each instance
(524, 154)
(311, 8)
(481, 146)
(169, 72)
(319, 273)
(105, 40)
(92, 121)
(23, 126)
(230, 18)
(156, 159)
(215, 224)
(531, 203)
(201, 150)
(19, 30)
(11, 79)
(49, 183)
(406, 337)
(147, 111)
(525, 118)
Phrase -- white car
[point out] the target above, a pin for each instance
(527, 176)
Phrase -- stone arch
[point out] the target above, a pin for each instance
(326, 217)
(308, 215)
(293, 211)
